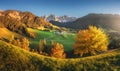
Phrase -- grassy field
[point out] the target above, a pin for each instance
(66, 39)
(13, 58)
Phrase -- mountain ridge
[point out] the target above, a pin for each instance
(106, 21)
(110, 21)
(62, 19)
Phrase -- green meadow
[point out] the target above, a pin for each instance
(67, 39)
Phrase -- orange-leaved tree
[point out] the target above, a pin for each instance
(90, 41)
(57, 50)
(24, 43)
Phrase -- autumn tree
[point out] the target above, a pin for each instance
(42, 44)
(90, 41)
(57, 50)
(24, 43)
(20, 42)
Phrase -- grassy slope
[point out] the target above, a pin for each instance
(13, 58)
(5, 33)
(67, 39)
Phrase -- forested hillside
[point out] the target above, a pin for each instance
(18, 21)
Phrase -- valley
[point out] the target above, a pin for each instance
(31, 43)
(67, 38)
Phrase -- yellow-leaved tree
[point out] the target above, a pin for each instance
(90, 41)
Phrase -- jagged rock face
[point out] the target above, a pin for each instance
(59, 19)
(67, 18)
(51, 17)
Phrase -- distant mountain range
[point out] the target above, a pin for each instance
(106, 21)
(62, 19)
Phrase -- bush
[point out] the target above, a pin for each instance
(90, 41)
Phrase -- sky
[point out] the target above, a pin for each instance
(76, 8)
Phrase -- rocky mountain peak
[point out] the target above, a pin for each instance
(51, 18)
(64, 18)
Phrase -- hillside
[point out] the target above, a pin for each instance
(13, 58)
(26, 18)
(107, 21)
(7, 34)
(18, 22)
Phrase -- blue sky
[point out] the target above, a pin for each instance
(76, 8)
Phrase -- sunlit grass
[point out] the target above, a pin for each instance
(5, 33)
(13, 58)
